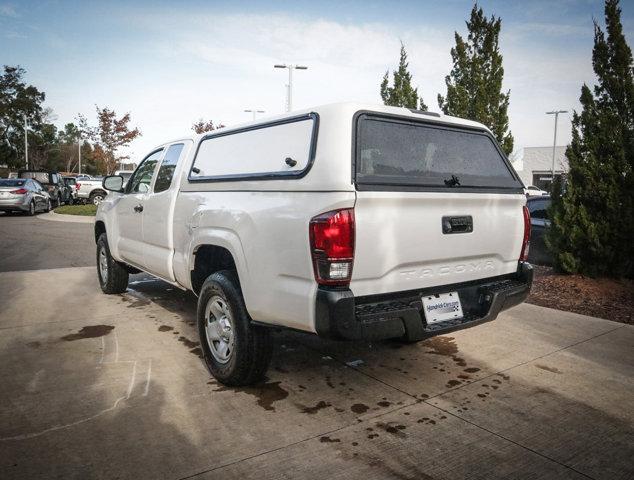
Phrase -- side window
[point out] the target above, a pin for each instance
(283, 148)
(166, 172)
(142, 177)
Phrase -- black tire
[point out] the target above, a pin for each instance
(114, 279)
(96, 198)
(252, 345)
(48, 205)
(31, 211)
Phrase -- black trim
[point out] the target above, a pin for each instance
(261, 176)
(338, 314)
(371, 187)
(128, 186)
(423, 112)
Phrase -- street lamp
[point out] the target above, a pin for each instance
(26, 142)
(254, 111)
(289, 87)
(552, 170)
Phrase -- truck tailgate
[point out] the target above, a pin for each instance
(400, 244)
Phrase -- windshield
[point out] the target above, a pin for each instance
(12, 183)
(42, 177)
(395, 152)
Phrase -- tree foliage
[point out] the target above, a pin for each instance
(109, 136)
(17, 99)
(593, 220)
(401, 93)
(202, 126)
(474, 85)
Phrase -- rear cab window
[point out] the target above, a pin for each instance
(397, 152)
(282, 149)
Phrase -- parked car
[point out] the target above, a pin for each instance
(532, 191)
(420, 231)
(540, 222)
(91, 191)
(23, 195)
(73, 186)
(52, 183)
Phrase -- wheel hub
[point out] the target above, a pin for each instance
(219, 329)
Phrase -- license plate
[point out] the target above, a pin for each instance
(441, 307)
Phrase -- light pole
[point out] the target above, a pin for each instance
(552, 170)
(26, 143)
(289, 87)
(79, 151)
(254, 111)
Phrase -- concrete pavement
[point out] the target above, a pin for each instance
(30, 243)
(98, 386)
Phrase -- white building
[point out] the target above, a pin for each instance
(534, 165)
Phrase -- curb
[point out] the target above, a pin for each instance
(58, 217)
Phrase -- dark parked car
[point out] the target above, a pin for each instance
(23, 195)
(538, 253)
(73, 186)
(52, 182)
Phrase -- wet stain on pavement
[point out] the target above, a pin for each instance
(453, 383)
(441, 346)
(472, 370)
(384, 404)
(392, 429)
(359, 408)
(315, 408)
(266, 393)
(548, 369)
(328, 440)
(165, 328)
(187, 342)
(92, 331)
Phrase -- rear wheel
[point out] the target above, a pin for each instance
(113, 276)
(31, 210)
(96, 198)
(235, 351)
(48, 205)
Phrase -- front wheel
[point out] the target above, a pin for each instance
(113, 276)
(236, 352)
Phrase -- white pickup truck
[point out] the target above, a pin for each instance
(348, 221)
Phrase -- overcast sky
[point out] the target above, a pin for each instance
(171, 63)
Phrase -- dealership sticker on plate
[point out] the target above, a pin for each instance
(441, 307)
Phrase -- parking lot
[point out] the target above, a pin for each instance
(113, 387)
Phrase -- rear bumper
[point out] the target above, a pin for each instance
(399, 315)
(14, 204)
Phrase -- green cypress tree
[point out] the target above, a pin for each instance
(474, 85)
(401, 93)
(593, 220)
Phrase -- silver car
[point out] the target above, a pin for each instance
(23, 195)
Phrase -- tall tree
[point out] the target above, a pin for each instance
(593, 220)
(110, 135)
(401, 93)
(17, 99)
(474, 85)
(202, 126)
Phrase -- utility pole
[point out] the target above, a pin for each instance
(79, 151)
(289, 87)
(254, 111)
(26, 143)
(552, 170)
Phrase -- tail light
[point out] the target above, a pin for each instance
(332, 246)
(527, 235)
(77, 185)
(19, 191)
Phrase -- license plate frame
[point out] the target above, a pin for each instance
(441, 307)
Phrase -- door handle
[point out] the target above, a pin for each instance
(138, 208)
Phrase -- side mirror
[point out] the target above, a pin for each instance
(113, 183)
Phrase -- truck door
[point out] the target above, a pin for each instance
(158, 213)
(130, 209)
